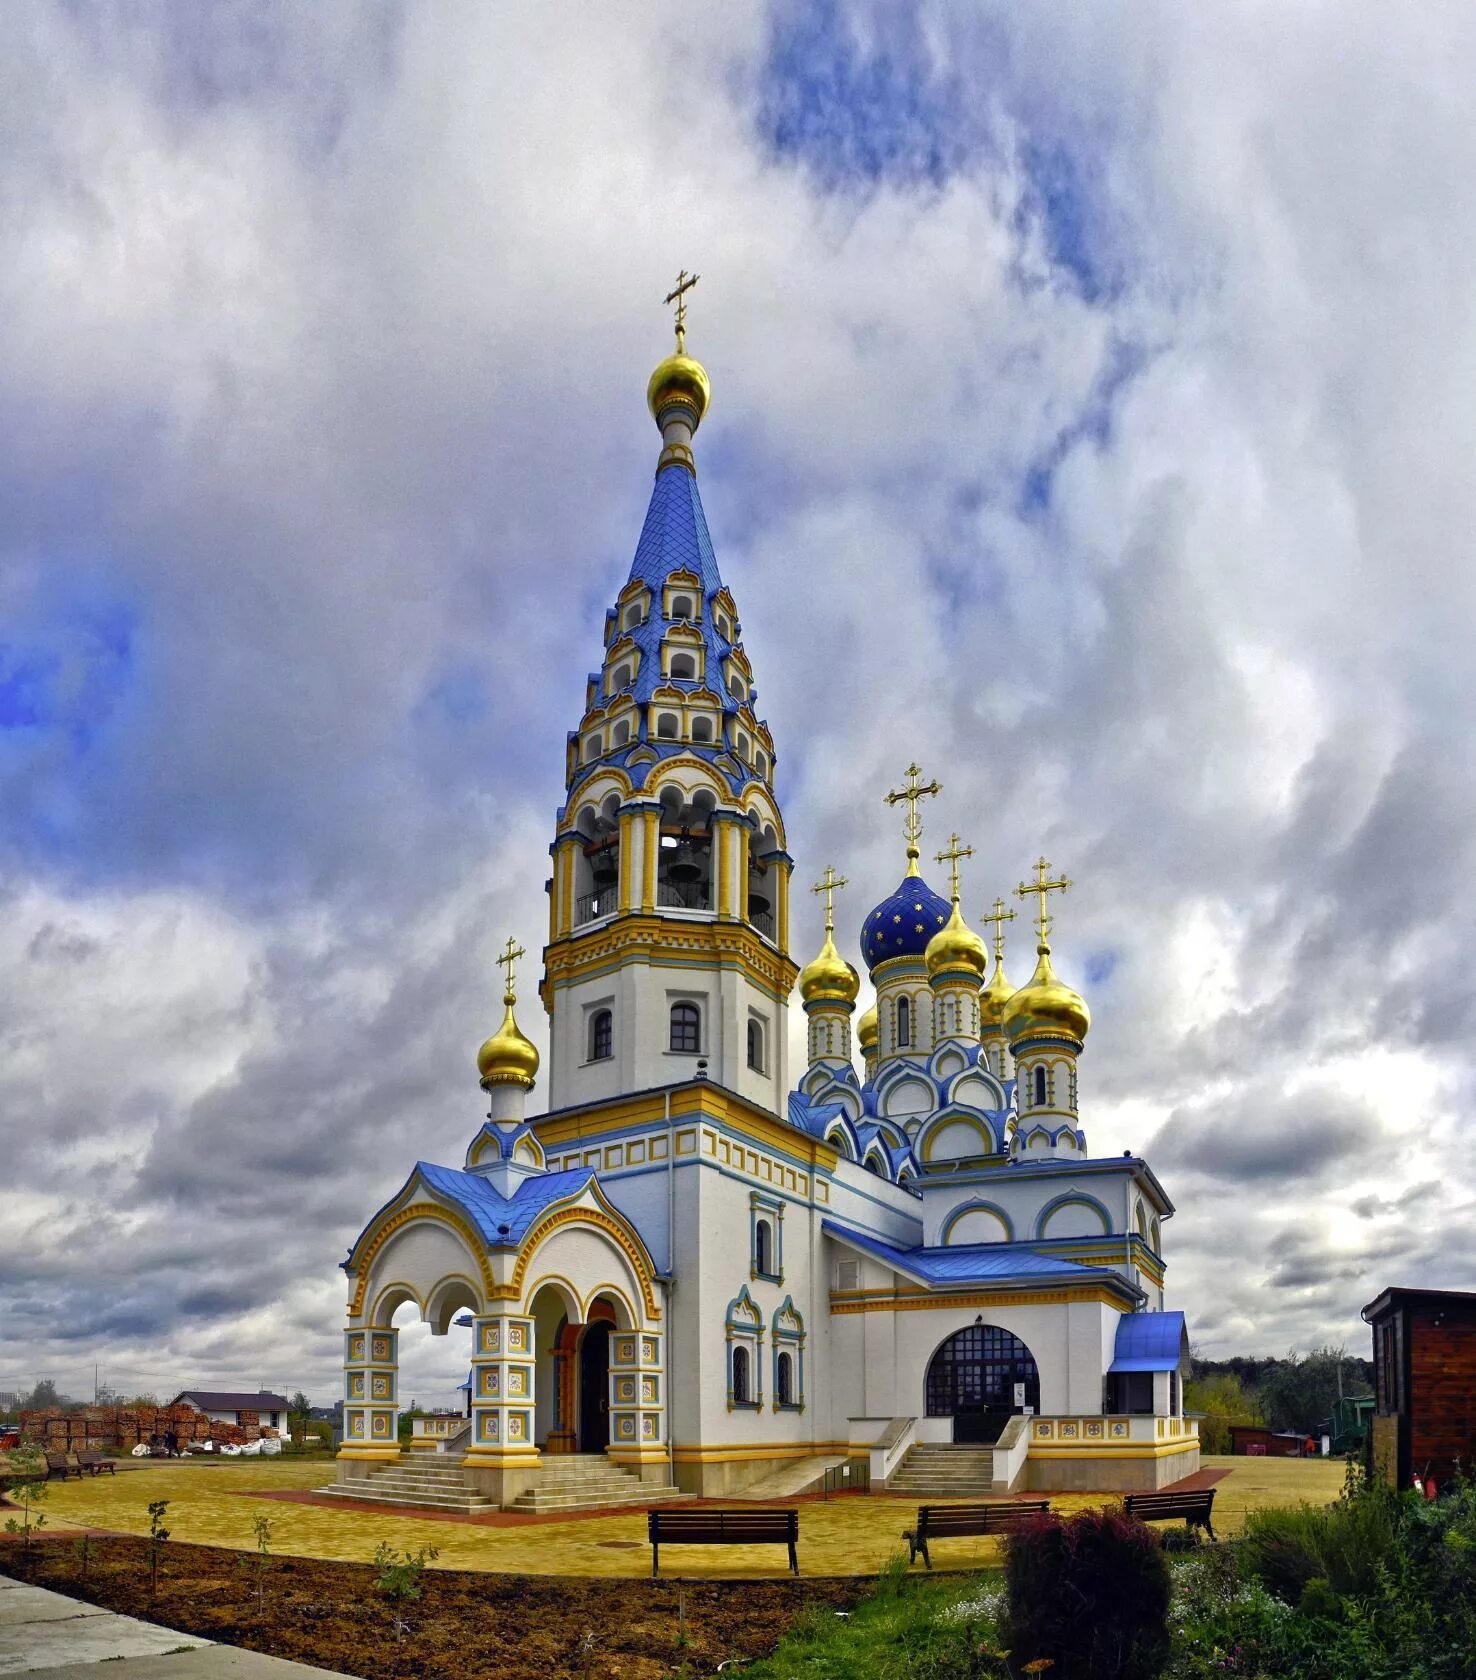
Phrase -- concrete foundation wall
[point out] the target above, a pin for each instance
(1110, 1475)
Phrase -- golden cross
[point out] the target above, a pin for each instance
(678, 296)
(912, 827)
(508, 960)
(954, 851)
(999, 918)
(830, 884)
(1040, 887)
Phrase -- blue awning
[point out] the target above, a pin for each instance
(1150, 1341)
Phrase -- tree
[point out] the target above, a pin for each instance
(42, 1397)
(1223, 1399)
(299, 1411)
(1298, 1392)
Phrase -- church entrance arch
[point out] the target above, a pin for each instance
(979, 1377)
(594, 1386)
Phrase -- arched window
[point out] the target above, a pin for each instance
(601, 1035)
(904, 1023)
(666, 726)
(683, 667)
(620, 734)
(592, 748)
(756, 1046)
(744, 749)
(761, 763)
(702, 729)
(633, 616)
(737, 688)
(784, 1380)
(1040, 1087)
(742, 1387)
(681, 607)
(686, 1028)
(620, 679)
(763, 1248)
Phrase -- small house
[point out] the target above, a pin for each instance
(224, 1406)
(1424, 1343)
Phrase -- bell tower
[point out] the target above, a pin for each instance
(668, 941)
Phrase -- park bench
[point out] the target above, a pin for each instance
(1194, 1508)
(94, 1463)
(956, 1522)
(723, 1528)
(61, 1464)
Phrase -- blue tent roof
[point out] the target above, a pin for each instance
(961, 1262)
(491, 1211)
(675, 534)
(1150, 1341)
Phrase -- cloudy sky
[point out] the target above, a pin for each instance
(1092, 420)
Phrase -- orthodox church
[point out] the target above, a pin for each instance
(688, 1274)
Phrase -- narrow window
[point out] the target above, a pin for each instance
(592, 748)
(621, 679)
(904, 1023)
(784, 1380)
(683, 667)
(1040, 1087)
(737, 689)
(686, 1028)
(763, 1248)
(601, 1034)
(761, 763)
(756, 1046)
(702, 729)
(681, 606)
(740, 1376)
(666, 726)
(620, 734)
(633, 615)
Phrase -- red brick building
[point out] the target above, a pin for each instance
(1424, 1422)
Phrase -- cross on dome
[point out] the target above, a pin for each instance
(951, 854)
(912, 792)
(1042, 885)
(508, 962)
(830, 884)
(678, 296)
(998, 919)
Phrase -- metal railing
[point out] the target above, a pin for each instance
(683, 895)
(588, 907)
(763, 920)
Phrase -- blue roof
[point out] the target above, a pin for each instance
(962, 1262)
(1150, 1341)
(675, 534)
(902, 924)
(490, 1211)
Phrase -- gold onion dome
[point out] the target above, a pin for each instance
(829, 978)
(955, 948)
(679, 379)
(995, 996)
(1046, 1005)
(868, 1029)
(508, 1058)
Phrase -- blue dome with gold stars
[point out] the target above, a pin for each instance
(902, 925)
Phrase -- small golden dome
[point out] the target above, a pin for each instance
(956, 948)
(994, 997)
(867, 1030)
(508, 1058)
(1045, 1005)
(829, 978)
(684, 378)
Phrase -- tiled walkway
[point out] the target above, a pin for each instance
(855, 1534)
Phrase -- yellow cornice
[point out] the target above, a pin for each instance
(923, 1300)
(650, 937)
(688, 1103)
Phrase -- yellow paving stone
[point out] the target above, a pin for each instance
(211, 1504)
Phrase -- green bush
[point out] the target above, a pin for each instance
(1089, 1594)
(1345, 1544)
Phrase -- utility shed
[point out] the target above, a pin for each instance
(1424, 1349)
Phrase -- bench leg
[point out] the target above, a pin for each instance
(655, 1558)
(793, 1560)
(922, 1546)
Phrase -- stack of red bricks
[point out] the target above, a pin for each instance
(122, 1428)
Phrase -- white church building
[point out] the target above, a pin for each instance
(697, 1269)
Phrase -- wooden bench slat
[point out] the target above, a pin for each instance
(723, 1528)
(952, 1522)
(1196, 1508)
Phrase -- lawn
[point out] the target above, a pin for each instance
(214, 1504)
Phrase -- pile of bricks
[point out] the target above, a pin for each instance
(122, 1428)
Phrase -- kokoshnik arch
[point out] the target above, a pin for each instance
(692, 1267)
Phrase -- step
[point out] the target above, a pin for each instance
(469, 1504)
(639, 1494)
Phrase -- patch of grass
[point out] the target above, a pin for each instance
(913, 1627)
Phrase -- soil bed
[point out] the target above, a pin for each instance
(466, 1626)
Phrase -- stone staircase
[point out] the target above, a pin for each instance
(432, 1481)
(586, 1482)
(429, 1481)
(941, 1471)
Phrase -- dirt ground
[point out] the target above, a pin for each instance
(464, 1627)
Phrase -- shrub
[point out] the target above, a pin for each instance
(399, 1579)
(1090, 1593)
(1344, 1544)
